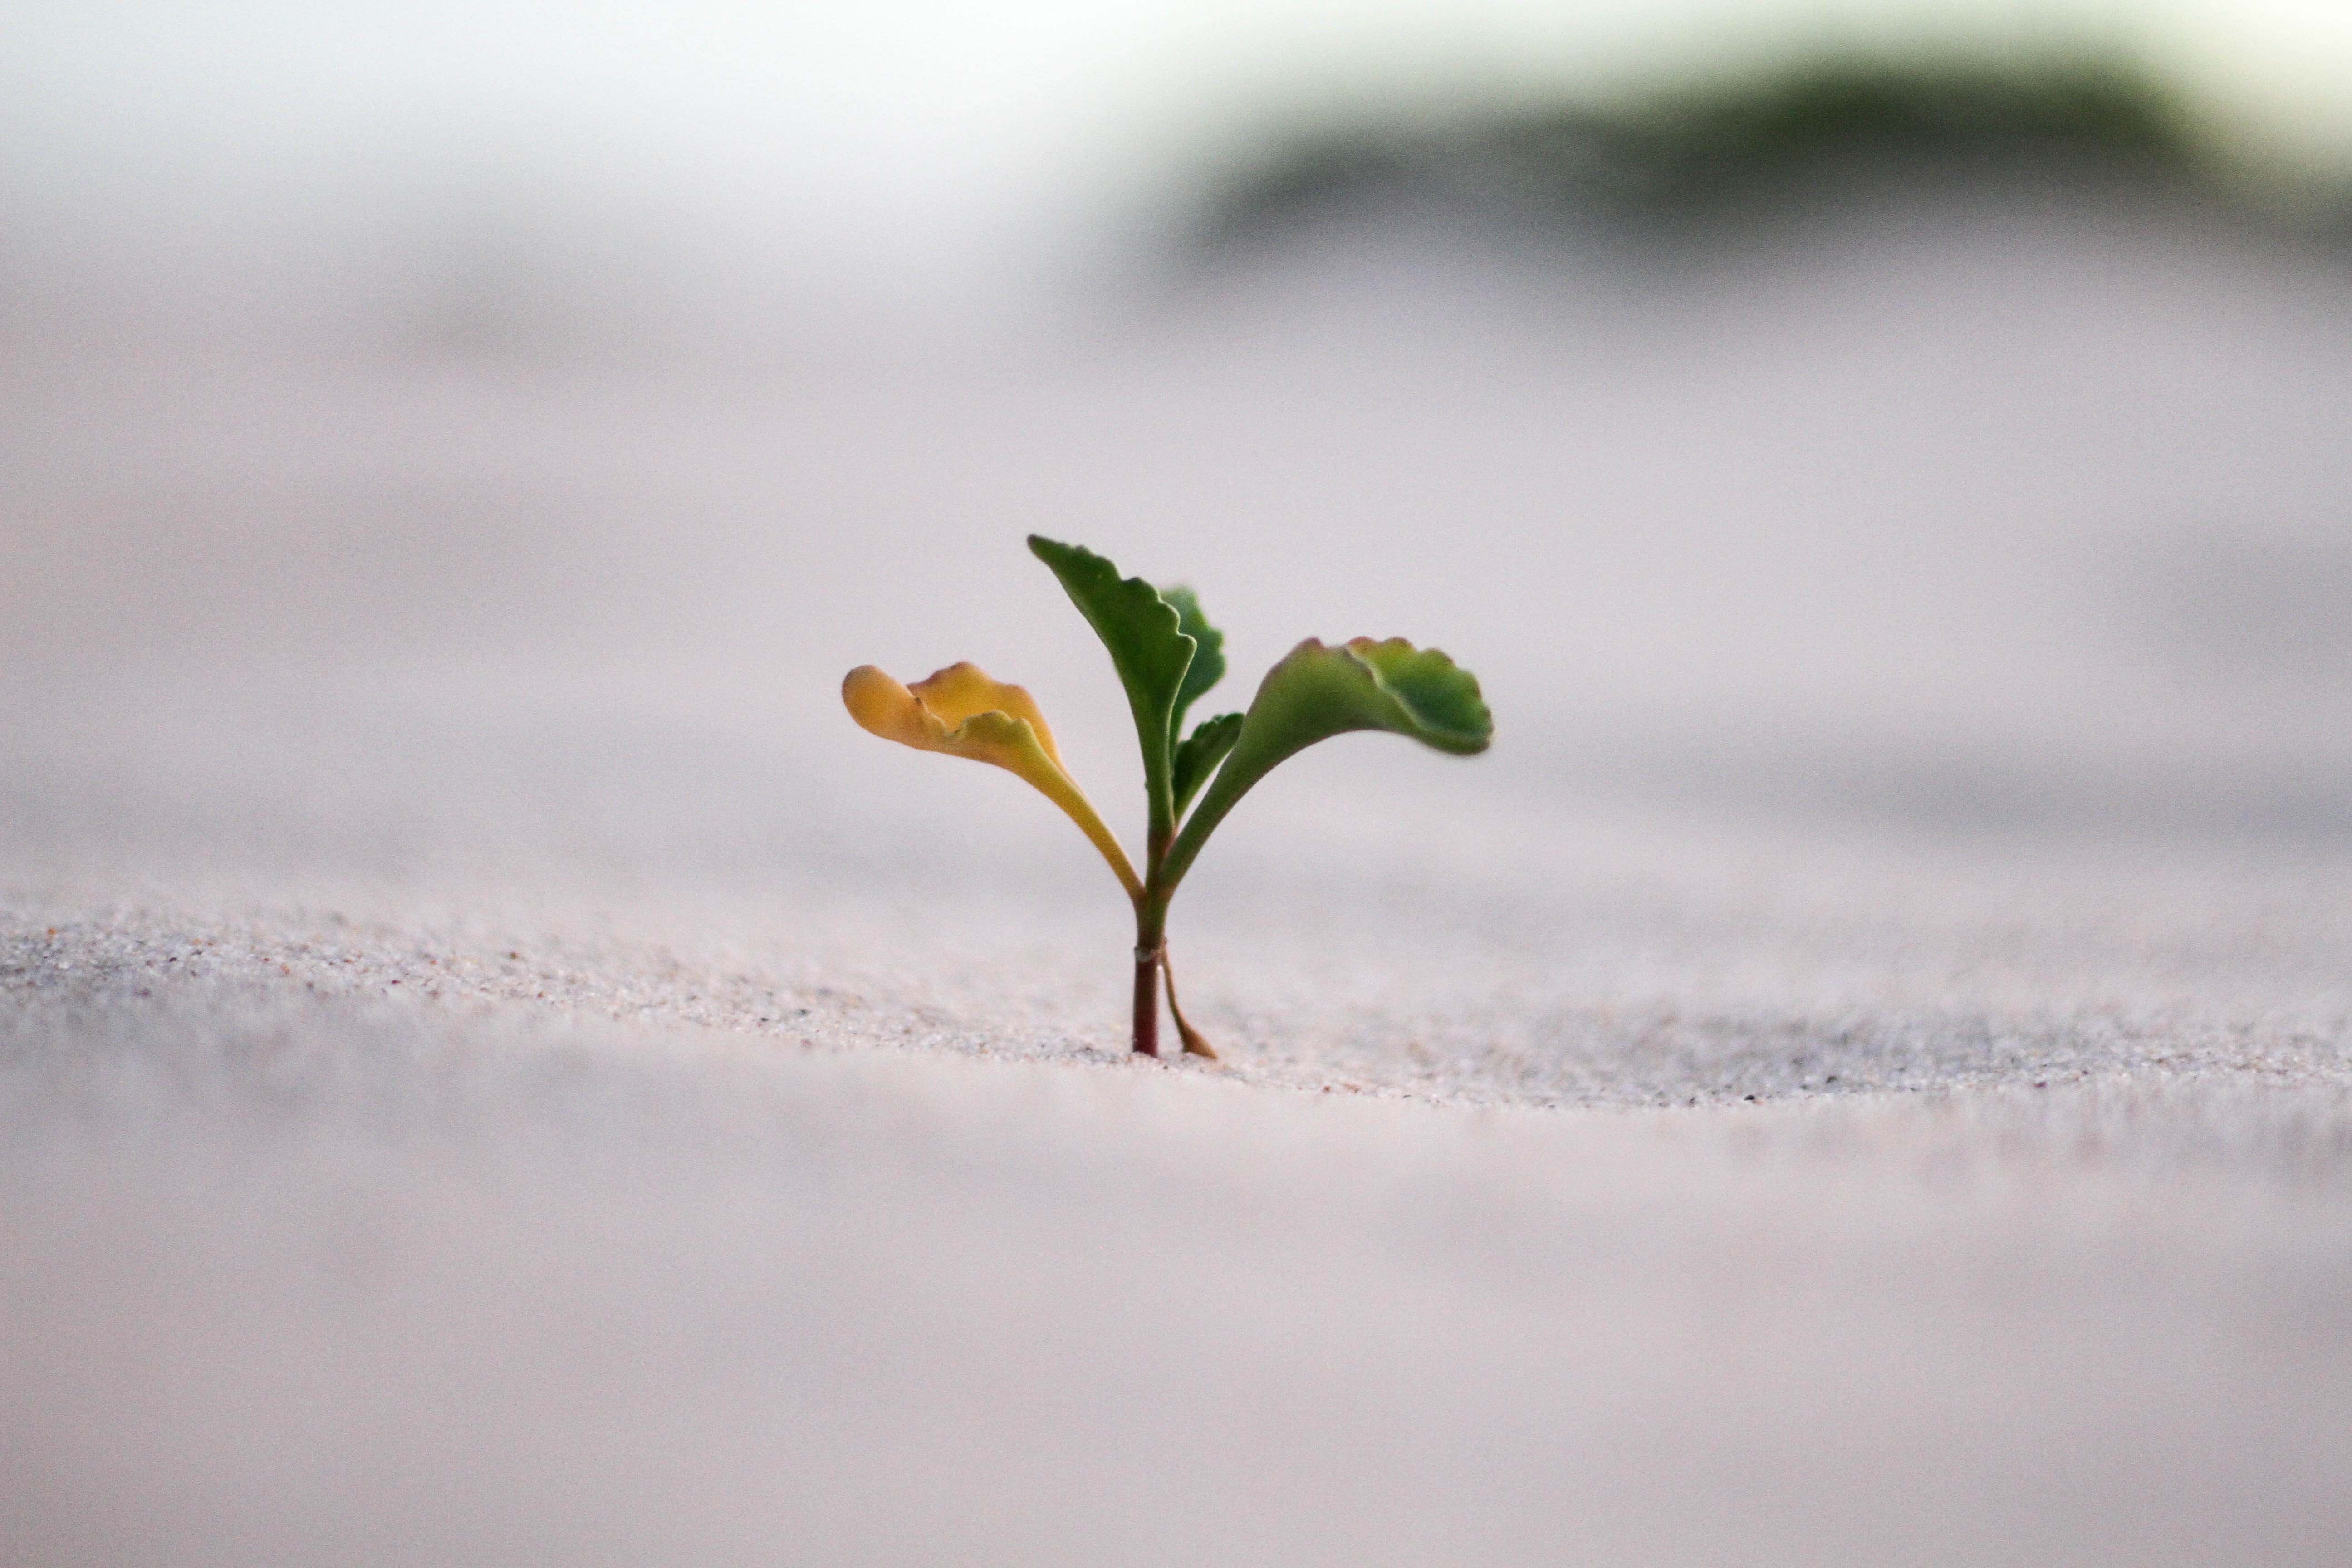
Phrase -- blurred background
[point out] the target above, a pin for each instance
(761, 181)
(1919, 417)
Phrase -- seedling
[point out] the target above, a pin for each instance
(1168, 657)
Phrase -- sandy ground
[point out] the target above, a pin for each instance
(496, 1069)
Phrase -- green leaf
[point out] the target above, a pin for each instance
(1198, 756)
(1317, 692)
(1208, 664)
(1438, 699)
(1148, 647)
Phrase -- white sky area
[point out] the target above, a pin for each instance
(874, 151)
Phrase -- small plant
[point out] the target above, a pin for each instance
(1168, 657)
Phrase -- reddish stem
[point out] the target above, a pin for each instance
(1146, 1001)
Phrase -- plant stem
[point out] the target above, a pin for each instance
(1195, 1042)
(1147, 997)
(1150, 953)
(1151, 940)
(1152, 937)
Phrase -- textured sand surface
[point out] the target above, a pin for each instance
(333, 1283)
(495, 1068)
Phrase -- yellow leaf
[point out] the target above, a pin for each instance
(961, 711)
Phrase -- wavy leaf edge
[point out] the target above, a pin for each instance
(994, 722)
(1208, 666)
(1370, 684)
(1144, 635)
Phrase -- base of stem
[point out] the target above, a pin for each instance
(1147, 1000)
